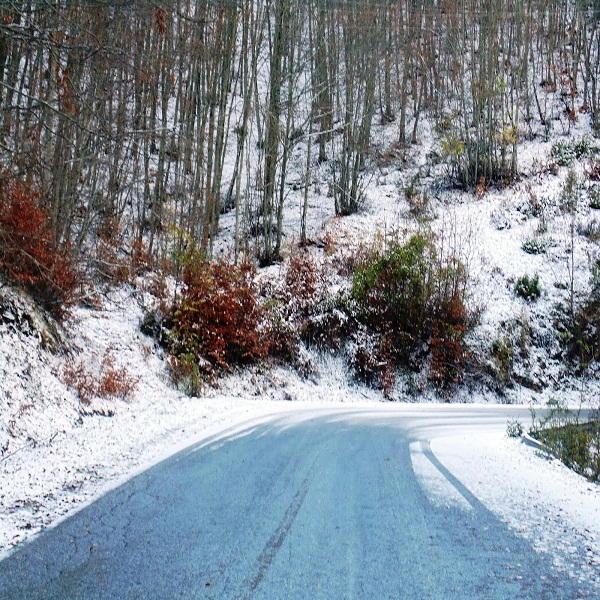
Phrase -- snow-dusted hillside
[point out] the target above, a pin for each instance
(58, 452)
(117, 125)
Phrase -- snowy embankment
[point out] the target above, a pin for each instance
(540, 499)
(57, 453)
(62, 455)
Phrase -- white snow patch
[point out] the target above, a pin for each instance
(541, 499)
(439, 490)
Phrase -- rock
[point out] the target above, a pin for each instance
(21, 314)
(500, 220)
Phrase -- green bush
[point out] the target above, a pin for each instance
(536, 245)
(413, 298)
(503, 353)
(565, 153)
(579, 330)
(574, 442)
(186, 374)
(514, 428)
(571, 192)
(394, 291)
(528, 288)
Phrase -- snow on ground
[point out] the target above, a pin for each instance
(67, 459)
(57, 454)
(539, 498)
(60, 454)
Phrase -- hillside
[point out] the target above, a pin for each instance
(207, 206)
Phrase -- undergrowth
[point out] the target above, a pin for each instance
(29, 255)
(109, 381)
(218, 321)
(578, 328)
(569, 437)
(414, 301)
(566, 152)
(528, 288)
(404, 306)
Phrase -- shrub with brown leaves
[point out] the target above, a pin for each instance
(219, 317)
(290, 308)
(303, 281)
(110, 381)
(447, 342)
(29, 256)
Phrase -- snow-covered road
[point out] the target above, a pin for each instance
(330, 479)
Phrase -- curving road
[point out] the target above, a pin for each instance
(324, 506)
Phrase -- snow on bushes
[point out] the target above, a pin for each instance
(414, 300)
(29, 255)
(579, 330)
(217, 322)
(401, 307)
(109, 381)
(570, 436)
(226, 317)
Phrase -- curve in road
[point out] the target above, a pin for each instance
(328, 507)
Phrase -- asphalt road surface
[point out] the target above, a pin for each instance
(326, 507)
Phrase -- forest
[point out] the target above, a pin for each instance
(214, 213)
(130, 129)
(141, 123)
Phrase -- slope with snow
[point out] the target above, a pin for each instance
(58, 453)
